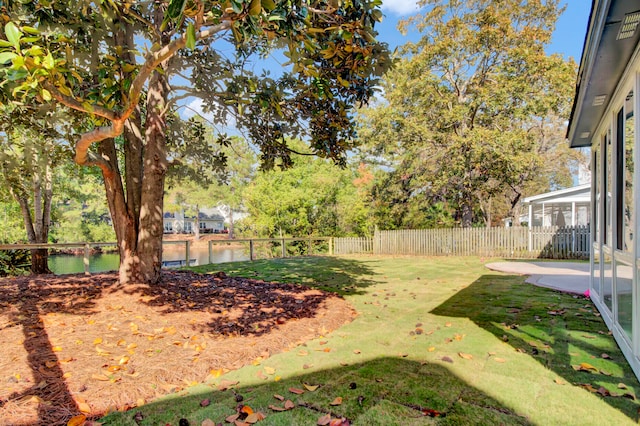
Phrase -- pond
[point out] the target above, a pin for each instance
(101, 262)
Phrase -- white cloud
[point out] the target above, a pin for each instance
(400, 7)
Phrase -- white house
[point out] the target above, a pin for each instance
(179, 223)
(564, 207)
(603, 118)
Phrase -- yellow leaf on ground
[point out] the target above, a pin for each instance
(97, 341)
(311, 388)
(269, 370)
(77, 420)
(559, 381)
(84, 407)
(215, 372)
(465, 356)
(56, 348)
(66, 375)
(431, 348)
(337, 401)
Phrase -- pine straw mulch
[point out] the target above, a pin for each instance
(75, 343)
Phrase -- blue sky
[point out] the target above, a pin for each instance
(567, 40)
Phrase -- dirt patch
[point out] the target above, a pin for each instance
(76, 343)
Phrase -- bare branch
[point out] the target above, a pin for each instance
(77, 105)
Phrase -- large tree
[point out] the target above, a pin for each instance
(115, 61)
(471, 112)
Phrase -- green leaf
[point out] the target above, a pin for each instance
(48, 63)
(175, 8)
(31, 30)
(13, 34)
(255, 8)
(268, 5)
(191, 37)
(6, 57)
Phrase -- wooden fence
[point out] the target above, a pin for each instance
(352, 245)
(517, 242)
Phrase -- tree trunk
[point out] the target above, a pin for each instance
(196, 231)
(231, 232)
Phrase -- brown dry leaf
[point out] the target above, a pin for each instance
(603, 391)
(357, 351)
(303, 353)
(78, 420)
(311, 388)
(279, 397)
(587, 336)
(276, 408)
(326, 350)
(447, 324)
(500, 360)
(465, 356)
(208, 422)
(288, 404)
(605, 356)
(255, 417)
(232, 418)
(307, 366)
(205, 402)
(324, 420)
(337, 401)
(559, 381)
(447, 359)
(100, 377)
(459, 337)
(296, 391)
(622, 386)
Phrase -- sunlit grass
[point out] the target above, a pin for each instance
(442, 334)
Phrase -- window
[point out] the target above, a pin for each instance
(624, 175)
(606, 188)
(596, 162)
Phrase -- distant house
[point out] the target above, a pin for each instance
(564, 207)
(179, 223)
(604, 118)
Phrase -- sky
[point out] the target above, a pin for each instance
(568, 37)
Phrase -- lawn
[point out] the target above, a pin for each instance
(436, 341)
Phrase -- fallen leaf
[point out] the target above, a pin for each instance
(622, 386)
(205, 402)
(303, 353)
(585, 366)
(276, 408)
(57, 349)
(255, 417)
(246, 409)
(216, 373)
(77, 420)
(270, 370)
(232, 418)
(447, 359)
(288, 404)
(84, 407)
(603, 391)
(448, 324)
(307, 366)
(337, 401)
(226, 384)
(357, 351)
(296, 391)
(465, 356)
(66, 375)
(324, 420)
(559, 381)
(97, 341)
(100, 377)
(208, 422)
(500, 360)
(605, 356)
(311, 388)
(431, 348)
(279, 397)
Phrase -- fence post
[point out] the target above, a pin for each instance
(284, 250)
(87, 250)
(310, 248)
(210, 252)
(331, 246)
(187, 250)
(251, 250)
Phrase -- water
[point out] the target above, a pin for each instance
(102, 262)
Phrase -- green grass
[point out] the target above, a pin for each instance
(416, 316)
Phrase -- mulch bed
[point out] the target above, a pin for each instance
(85, 344)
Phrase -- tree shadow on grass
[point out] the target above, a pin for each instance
(559, 330)
(384, 391)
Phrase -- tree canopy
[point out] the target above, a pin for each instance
(472, 114)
